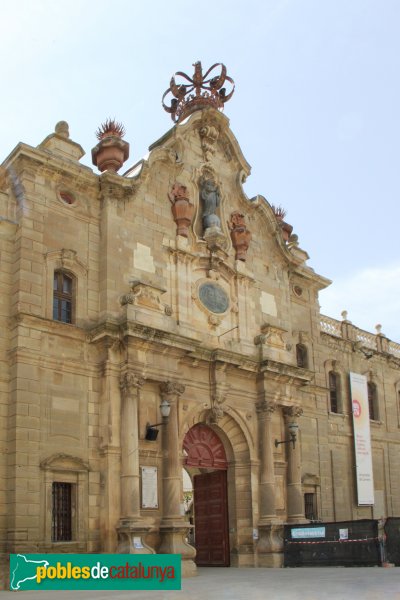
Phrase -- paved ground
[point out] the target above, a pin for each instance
(366, 583)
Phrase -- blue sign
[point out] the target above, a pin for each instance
(308, 532)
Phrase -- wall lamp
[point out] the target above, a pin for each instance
(151, 431)
(293, 427)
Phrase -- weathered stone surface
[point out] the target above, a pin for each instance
(70, 392)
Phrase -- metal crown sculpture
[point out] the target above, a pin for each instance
(207, 92)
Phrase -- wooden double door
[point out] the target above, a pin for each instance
(211, 519)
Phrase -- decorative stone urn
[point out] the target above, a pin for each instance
(286, 228)
(240, 235)
(182, 209)
(112, 151)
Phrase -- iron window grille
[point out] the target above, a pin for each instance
(372, 399)
(61, 526)
(333, 392)
(310, 507)
(301, 356)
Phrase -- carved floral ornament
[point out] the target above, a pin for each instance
(208, 136)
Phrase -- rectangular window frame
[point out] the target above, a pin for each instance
(310, 506)
(63, 302)
(63, 511)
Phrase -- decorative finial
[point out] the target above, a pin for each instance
(112, 151)
(344, 314)
(110, 128)
(62, 128)
(378, 328)
(207, 92)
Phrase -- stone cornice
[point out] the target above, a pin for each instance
(50, 161)
(310, 275)
(287, 373)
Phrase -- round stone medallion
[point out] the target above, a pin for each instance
(214, 298)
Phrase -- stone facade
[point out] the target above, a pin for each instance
(167, 310)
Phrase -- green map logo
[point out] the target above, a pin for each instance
(95, 572)
(24, 570)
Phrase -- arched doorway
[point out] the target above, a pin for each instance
(206, 462)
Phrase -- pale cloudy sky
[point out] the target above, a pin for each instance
(316, 110)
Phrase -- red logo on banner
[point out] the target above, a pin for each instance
(356, 408)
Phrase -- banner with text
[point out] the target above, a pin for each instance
(95, 572)
(362, 439)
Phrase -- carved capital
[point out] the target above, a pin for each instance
(292, 411)
(130, 383)
(170, 389)
(266, 406)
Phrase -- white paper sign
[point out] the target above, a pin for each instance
(149, 487)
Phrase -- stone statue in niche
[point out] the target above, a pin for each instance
(210, 200)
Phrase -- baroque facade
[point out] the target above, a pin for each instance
(166, 300)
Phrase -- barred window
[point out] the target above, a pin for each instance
(310, 507)
(372, 401)
(334, 392)
(62, 297)
(61, 525)
(301, 356)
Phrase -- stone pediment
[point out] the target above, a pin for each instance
(64, 462)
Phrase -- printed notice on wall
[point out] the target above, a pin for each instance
(362, 439)
(149, 487)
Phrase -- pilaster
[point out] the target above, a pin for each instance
(295, 502)
(132, 528)
(173, 527)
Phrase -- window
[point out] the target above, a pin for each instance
(301, 356)
(310, 507)
(372, 401)
(61, 523)
(334, 392)
(62, 297)
(65, 507)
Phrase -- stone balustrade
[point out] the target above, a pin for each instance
(346, 330)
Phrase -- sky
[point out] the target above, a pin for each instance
(315, 111)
